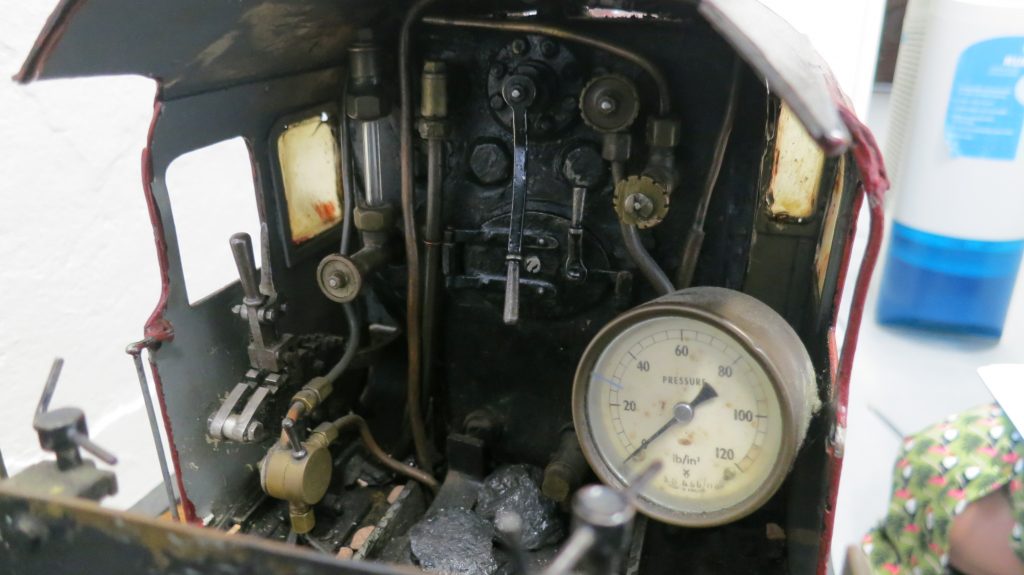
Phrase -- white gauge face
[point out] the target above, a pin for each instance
(686, 393)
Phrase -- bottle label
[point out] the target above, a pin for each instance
(985, 118)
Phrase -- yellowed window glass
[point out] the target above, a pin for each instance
(796, 170)
(310, 171)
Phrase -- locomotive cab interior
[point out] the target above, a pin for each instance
(507, 250)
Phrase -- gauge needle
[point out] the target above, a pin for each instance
(681, 413)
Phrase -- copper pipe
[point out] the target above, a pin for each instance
(525, 27)
(432, 237)
(353, 420)
(412, 254)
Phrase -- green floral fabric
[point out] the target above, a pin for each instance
(938, 473)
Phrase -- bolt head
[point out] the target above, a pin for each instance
(548, 48)
(336, 281)
(489, 163)
(607, 105)
(533, 264)
(254, 432)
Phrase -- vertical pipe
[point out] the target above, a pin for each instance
(347, 180)
(432, 239)
(412, 252)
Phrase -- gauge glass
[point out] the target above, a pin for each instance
(682, 391)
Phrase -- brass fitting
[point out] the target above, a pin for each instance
(365, 99)
(301, 481)
(433, 101)
(566, 470)
(432, 129)
(641, 201)
(313, 393)
(434, 87)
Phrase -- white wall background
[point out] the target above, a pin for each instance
(78, 270)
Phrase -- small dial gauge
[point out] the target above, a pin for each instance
(711, 383)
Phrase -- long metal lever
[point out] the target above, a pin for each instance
(266, 275)
(241, 249)
(518, 92)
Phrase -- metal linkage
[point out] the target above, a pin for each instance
(260, 306)
(135, 350)
(519, 92)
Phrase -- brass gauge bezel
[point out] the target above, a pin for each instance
(763, 334)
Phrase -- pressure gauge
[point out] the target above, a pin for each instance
(708, 381)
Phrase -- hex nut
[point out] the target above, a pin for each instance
(432, 129)
(373, 219)
(364, 107)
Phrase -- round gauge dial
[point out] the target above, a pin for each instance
(711, 383)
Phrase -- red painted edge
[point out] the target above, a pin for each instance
(874, 183)
(51, 34)
(157, 328)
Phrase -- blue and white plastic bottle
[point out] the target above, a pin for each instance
(956, 161)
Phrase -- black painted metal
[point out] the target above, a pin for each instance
(242, 68)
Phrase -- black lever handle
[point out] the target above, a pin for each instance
(51, 385)
(63, 431)
(245, 261)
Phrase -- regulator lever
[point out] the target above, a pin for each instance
(259, 308)
(519, 92)
(241, 250)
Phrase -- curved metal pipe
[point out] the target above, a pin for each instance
(353, 420)
(351, 346)
(641, 61)
(412, 254)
